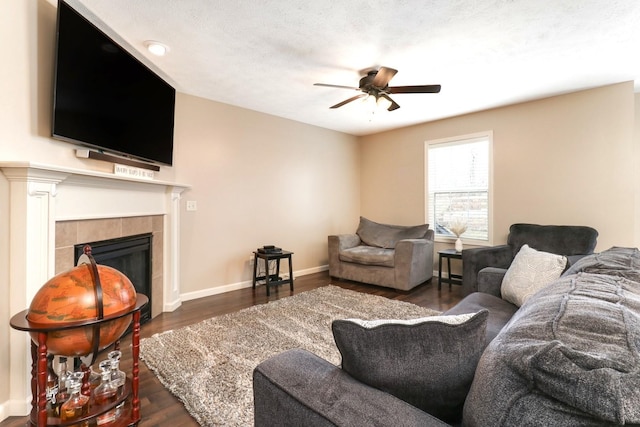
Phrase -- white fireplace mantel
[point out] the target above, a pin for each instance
(42, 194)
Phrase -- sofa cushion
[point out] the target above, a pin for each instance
(570, 355)
(386, 235)
(368, 255)
(530, 271)
(427, 362)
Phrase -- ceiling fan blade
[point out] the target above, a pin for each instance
(340, 104)
(393, 106)
(384, 76)
(414, 89)
(336, 86)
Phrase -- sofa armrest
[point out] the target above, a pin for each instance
(490, 280)
(338, 243)
(298, 388)
(344, 241)
(474, 260)
(413, 262)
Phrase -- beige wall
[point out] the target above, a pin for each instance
(257, 180)
(636, 142)
(27, 39)
(569, 159)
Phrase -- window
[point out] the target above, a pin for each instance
(458, 183)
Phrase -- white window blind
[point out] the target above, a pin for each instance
(458, 185)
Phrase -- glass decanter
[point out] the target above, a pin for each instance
(106, 393)
(52, 387)
(117, 376)
(63, 386)
(78, 404)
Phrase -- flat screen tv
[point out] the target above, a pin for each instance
(104, 98)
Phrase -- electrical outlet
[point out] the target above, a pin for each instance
(192, 205)
(251, 258)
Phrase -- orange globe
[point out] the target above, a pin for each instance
(70, 297)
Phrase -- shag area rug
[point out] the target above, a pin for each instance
(209, 365)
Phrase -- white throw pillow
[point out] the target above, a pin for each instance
(530, 271)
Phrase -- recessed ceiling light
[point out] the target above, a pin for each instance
(156, 48)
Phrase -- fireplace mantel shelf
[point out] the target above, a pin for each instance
(69, 172)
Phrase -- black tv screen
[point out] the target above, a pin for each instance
(105, 98)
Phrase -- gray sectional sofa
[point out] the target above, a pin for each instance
(569, 356)
(394, 256)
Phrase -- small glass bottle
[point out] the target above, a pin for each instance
(63, 386)
(52, 387)
(78, 404)
(106, 393)
(117, 376)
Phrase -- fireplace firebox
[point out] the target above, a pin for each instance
(130, 255)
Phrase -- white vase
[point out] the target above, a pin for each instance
(458, 245)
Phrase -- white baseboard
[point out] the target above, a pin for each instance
(15, 408)
(172, 306)
(241, 285)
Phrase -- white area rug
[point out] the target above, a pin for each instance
(209, 365)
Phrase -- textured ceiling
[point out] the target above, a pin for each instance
(266, 55)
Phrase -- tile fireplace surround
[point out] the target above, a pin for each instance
(70, 233)
(51, 208)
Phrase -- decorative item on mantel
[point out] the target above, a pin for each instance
(458, 228)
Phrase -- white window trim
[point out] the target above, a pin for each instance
(458, 140)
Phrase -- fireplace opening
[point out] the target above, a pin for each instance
(130, 255)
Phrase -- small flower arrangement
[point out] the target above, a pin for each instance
(458, 227)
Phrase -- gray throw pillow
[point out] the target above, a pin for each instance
(428, 362)
(386, 235)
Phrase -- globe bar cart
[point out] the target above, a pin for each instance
(38, 416)
(74, 315)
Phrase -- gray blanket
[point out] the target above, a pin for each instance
(571, 355)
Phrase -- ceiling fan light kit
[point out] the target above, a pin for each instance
(375, 86)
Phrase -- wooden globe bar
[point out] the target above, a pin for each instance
(81, 312)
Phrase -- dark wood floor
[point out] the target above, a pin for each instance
(161, 408)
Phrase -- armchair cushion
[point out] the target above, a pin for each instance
(529, 272)
(427, 362)
(368, 255)
(387, 236)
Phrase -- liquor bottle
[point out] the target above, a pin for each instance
(90, 380)
(78, 404)
(106, 393)
(52, 386)
(117, 376)
(63, 387)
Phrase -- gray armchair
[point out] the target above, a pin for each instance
(394, 256)
(484, 268)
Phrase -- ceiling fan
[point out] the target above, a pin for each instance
(376, 84)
